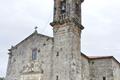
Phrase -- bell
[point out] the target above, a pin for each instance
(63, 8)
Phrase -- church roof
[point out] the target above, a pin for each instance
(101, 57)
(34, 33)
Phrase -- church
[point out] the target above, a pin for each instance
(40, 57)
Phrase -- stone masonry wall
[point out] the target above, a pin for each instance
(85, 68)
(116, 70)
(101, 69)
(66, 57)
(21, 63)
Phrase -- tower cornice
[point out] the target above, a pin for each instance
(67, 21)
(82, 0)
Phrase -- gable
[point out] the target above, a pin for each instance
(31, 37)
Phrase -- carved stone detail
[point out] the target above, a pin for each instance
(32, 67)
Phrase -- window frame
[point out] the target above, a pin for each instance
(34, 54)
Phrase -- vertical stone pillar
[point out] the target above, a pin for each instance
(66, 57)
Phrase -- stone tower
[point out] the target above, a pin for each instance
(66, 61)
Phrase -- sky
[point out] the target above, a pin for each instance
(99, 17)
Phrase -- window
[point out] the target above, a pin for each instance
(34, 54)
(57, 54)
(57, 77)
(92, 62)
(104, 78)
(63, 6)
(77, 11)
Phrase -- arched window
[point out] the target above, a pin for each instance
(63, 6)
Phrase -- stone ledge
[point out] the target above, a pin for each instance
(73, 20)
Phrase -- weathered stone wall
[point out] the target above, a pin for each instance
(101, 68)
(66, 57)
(63, 63)
(21, 63)
(116, 70)
(72, 9)
(85, 68)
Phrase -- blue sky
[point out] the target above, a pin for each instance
(99, 17)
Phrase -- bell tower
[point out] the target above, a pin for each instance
(67, 10)
(66, 57)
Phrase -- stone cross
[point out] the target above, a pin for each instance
(36, 28)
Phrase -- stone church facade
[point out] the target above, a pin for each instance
(40, 57)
